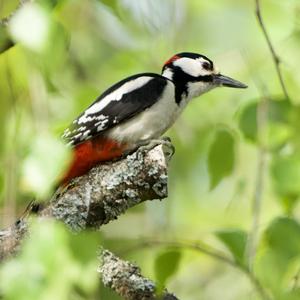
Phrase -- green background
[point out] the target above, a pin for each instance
(232, 146)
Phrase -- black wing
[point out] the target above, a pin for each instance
(119, 103)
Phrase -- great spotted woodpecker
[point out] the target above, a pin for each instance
(138, 109)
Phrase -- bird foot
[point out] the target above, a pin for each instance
(165, 141)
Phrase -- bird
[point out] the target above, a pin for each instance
(138, 109)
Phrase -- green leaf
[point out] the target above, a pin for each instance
(85, 254)
(30, 26)
(221, 157)
(5, 41)
(279, 254)
(7, 7)
(166, 265)
(43, 267)
(235, 240)
(279, 126)
(283, 236)
(46, 268)
(44, 165)
(285, 172)
(247, 122)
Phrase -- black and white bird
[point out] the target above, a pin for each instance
(138, 109)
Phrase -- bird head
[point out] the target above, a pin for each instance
(194, 74)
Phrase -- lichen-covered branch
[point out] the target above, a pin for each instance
(10, 239)
(127, 281)
(101, 195)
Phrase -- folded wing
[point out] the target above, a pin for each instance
(119, 103)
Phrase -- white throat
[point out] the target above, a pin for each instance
(195, 89)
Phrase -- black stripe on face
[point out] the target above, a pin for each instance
(181, 80)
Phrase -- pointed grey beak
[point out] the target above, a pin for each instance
(222, 80)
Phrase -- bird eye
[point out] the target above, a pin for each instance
(206, 66)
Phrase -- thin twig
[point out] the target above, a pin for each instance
(210, 251)
(262, 114)
(272, 49)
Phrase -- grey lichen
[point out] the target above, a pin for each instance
(126, 279)
(72, 212)
(11, 239)
(112, 188)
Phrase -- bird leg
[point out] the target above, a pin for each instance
(165, 141)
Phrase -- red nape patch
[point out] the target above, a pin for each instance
(173, 58)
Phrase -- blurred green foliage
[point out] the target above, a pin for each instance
(50, 266)
(66, 53)
(166, 264)
(220, 157)
(235, 240)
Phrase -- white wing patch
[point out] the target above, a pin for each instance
(114, 96)
(93, 113)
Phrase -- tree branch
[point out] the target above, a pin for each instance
(100, 196)
(126, 279)
(275, 57)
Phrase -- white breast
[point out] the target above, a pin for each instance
(152, 122)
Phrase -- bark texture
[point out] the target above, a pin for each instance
(127, 281)
(97, 198)
(100, 196)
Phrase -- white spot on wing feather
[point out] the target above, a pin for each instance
(101, 117)
(66, 133)
(85, 118)
(77, 136)
(85, 135)
(101, 124)
(82, 128)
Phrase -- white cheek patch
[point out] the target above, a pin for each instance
(191, 66)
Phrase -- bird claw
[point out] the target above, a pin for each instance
(168, 149)
(166, 143)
